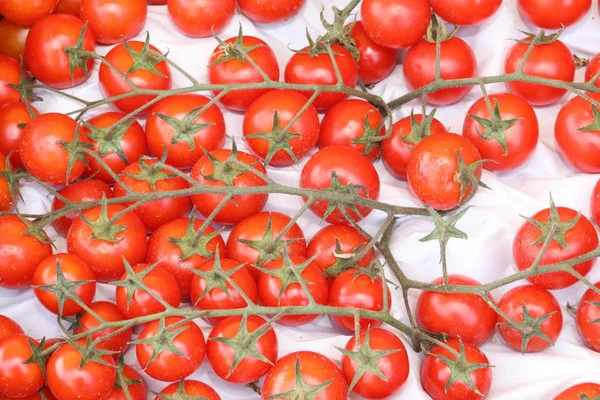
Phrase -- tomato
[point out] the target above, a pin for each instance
(43, 151)
(67, 379)
(435, 373)
(579, 391)
(270, 11)
(553, 60)
(19, 378)
(12, 118)
(141, 303)
(206, 290)
(269, 115)
(222, 355)
(520, 139)
(14, 36)
(588, 316)
(148, 177)
(465, 12)
(577, 235)
(218, 168)
(577, 134)
(395, 23)
(45, 392)
(434, 166)
(394, 366)
(227, 65)
(189, 389)
(595, 203)
(6, 202)
(179, 247)
(109, 312)
(78, 192)
(10, 74)
(72, 7)
(305, 370)
(376, 62)
(553, 14)
(345, 171)
(20, 252)
(201, 18)
(457, 62)
(591, 72)
(252, 241)
(114, 20)
(158, 77)
(137, 391)
(46, 50)
(90, 239)
(26, 12)
(169, 366)
(9, 327)
(171, 126)
(345, 124)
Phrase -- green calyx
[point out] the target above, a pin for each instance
(194, 243)
(437, 32)
(594, 126)
(302, 390)
(343, 261)
(76, 151)
(349, 189)
(163, 340)
(419, 130)
(495, 128)
(108, 140)
(225, 171)
(371, 138)
(289, 273)
(530, 327)
(145, 59)
(234, 51)
(540, 38)
(186, 129)
(278, 139)
(78, 56)
(180, 394)
(133, 280)
(337, 32)
(216, 278)
(152, 173)
(466, 178)
(104, 228)
(553, 228)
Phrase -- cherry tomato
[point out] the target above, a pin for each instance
(109, 312)
(595, 203)
(190, 389)
(9, 327)
(376, 62)
(19, 378)
(26, 12)
(592, 70)
(200, 18)
(588, 315)
(12, 119)
(14, 36)
(10, 73)
(553, 14)
(137, 391)
(465, 12)
(72, 7)
(45, 392)
(6, 202)
(577, 392)
(270, 11)
(114, 20)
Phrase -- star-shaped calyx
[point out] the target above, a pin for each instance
(76, 151)
(594, 126)
(104, 228)
(194, 243)
(35, 229)
(216, 278)
(91, 353)
(530, 327)
(37, 355)
(77, 54)
(338, 187)
(151, 172)
(289, 272)
(553, 228)
(234, 50)
(419, 130)
(144, 59)
(495, 128)
(12, 178)
(185, 129)
(225, 171)
(466, 178)
(445, 229)
(540, 37)
(278, 139)
(163, 340)
(339, 32)
(370, 137)
(180, 394)
(343, 261)
(133, 280)
(108, 139)
(302, 390)
(24, 88)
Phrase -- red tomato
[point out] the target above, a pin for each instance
(201, 18)
(10, 74)
(553, 60)
(109, 312)
(157, 2)
(12, 118)
(345, 125)
(141, 303)
(577, 134)
(9, 327)
(553, 14)
(14, 36)
(20, 253)
(26, 12)
(376, 62)
(72, 7)
(577, 392)
(114, 20)
(592, 70)
(394, 366)
(123, 59)
(102, 249)
(218, 168)
(304, 369)
(45, 392)
(228, 66)
(395, 23)
(19, 378)
(169, 366)
(270, 11)
(179, 247)
(457, 62)
(349, 167)
(577, 234)
(595, 203)
(433, 166)
(45, 50)
(222, 356)
(6, 202)
(78, 192)
(588, 314)
(520, 139)
(137, 391)
(306, 67)
(171, 126)
(465, 12)
(190, 389)
(435, 373)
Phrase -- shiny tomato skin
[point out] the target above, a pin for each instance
(307, 69)
(14, 36)
(465, 12)
(11, 135)
(376, 62)
(114, 20)
(72, 7)
(595, 203)
(580, 239)
(193, 389)
(270, 11)
(200, 18)
(137, 391)
(553, 14)
(9, 327)
(591, 72)
(221, 356)
(587, 313)
(109, 312)
(521, 138)
(10, 74)
(589, 389)
(458, 61)
(36, 396)
(6, 202)
(19, 378)
(26, 12)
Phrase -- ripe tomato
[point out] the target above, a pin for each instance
(189, 389)
(10, 74)
(465, 12)
(12, 118)
(141, 303)
(14, 36)
(395, 23)
(553, 60)
(72, 7)
(303, 370)
(206, 290)
(553, 14)
(519, 139)
(394, 366)
(376, 62)
(171, 126)
(137, 391)
(218, 168)
(457, 62)
(19, 378)
(577, 134)
(222, 355)
(90, 238)
(345, 124)
(434, 166)
(114, 20)
(269, 115)
(78, 192)
(272, 293)
(270, 11)
(45, 392)
(67, 379)
(26, 12)
(435, 373)
(252, 241)
(123, 58)
(227, 65)
(169, 366)
(201, 18)
(580, 391)
(588, 314)
(6, 202)
(595, 203)
(345, 171)
(46, 50)
(592, 70)
(9, 327)
(109, 312)
(20, 253)
(315, 67)
(577, 235)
